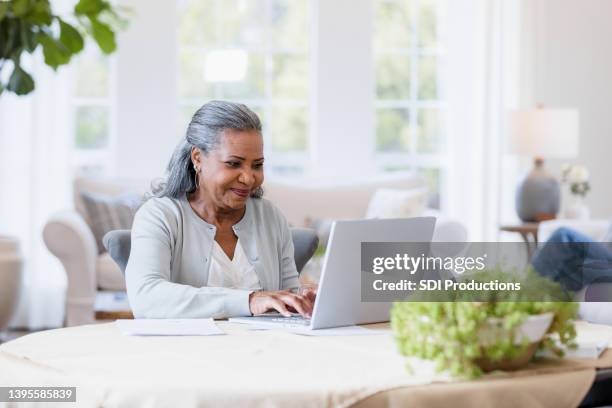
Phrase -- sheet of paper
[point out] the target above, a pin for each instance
(592, 340)
(335, 331)
(168, 327)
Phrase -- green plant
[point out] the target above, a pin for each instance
(447, 332)
(27, 24)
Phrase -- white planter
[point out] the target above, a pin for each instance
(11, 264)
(532, 330)
(577, 210)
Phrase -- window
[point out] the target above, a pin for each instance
(255, 52)
(93, 113)
(410, 108)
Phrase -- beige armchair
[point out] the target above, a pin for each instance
(93, 278)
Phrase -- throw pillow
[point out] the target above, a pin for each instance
(109, 213)
(397, 203)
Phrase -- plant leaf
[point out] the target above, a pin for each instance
(89, 7)
(3, 9)
(70, 37)
(20, 82)
(12, 40)
(55, 53)
(20, 7)
(104, 36)
(42, 6)
(28, 37)
(40, 13)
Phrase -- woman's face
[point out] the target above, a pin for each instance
(231, 172)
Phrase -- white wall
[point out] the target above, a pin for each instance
(572, 67)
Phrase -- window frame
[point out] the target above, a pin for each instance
(284, 163)
(413, 160)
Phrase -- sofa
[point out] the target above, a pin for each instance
(92, 275)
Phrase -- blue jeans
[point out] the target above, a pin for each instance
(573, 259)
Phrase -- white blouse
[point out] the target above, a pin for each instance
(236, 273)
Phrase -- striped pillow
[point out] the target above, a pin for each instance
(106, 213)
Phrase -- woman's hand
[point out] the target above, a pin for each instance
(282, 301)
(309, 291)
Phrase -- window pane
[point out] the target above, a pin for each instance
(393, 77)
(184, 117)
(252, 84)
(290, 77)
(428, 78)
(393, 130)
(392, 24)
(92, 75)
(198, 23)
(433, 180)
(289, 129)
(259, 110)
(241, 22)
(91, 127)
(289, 24)
(428, 24)
(191, 79)
(396, 167)
(430, 139)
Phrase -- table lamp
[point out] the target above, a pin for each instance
(540, 133)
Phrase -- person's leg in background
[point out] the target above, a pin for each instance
(573, 259)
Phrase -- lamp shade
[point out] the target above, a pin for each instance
(545, 132)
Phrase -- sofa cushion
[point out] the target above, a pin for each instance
(307, 200)
(108, 274)
(397, 203)
(110, 187)
(109, 213)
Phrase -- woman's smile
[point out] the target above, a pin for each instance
(243, 193)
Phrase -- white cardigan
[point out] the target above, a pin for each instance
(167, 272)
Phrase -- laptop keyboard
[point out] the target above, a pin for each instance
(297, 320)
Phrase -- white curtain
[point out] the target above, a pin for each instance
(483, 82)
(35, 141)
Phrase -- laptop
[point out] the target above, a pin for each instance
(338, 302)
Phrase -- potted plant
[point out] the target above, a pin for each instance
(576, 177)
(27, 24)
(500, 331)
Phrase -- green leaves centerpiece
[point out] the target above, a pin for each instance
(449, 329)
(27, 24)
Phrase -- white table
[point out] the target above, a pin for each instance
(253, 368)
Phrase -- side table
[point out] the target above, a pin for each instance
(529, 233)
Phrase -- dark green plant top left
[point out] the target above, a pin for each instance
(26, 24)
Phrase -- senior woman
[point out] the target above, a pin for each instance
(207, 244)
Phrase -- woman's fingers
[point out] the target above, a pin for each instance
(281, 301)
(305, 305)
(279, 306)
(310, 294)
(298, 303)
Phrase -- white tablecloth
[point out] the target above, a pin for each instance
(243, 368)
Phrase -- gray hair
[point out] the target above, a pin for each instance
(204, 132)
